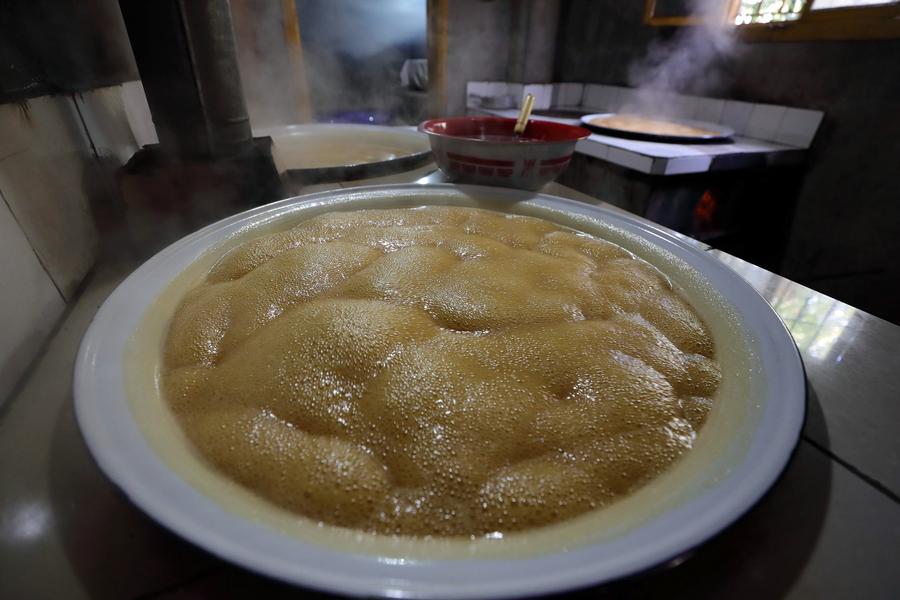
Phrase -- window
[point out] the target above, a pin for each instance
(768, 11)
(775, 11)
(804, 20)
(826, 4)
(791, 20)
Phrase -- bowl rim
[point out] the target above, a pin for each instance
(567, 133)
(125, 456)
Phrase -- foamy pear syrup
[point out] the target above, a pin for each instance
(640, 124)
(438, 371)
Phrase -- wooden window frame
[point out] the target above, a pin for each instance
(651, 19)
(438, 42)
(861, 23)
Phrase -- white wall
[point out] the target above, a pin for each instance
(58, 155)
(29, 302)
(44, 157)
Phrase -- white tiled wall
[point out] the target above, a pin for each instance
(497, 88)
(42, 177)
(29, 303)
(49, 175)
(708, 109)
(791, 126)
(106, 118)
(798, 127)
(765, 119)
(736, 115)
(517, 91)
(682, 106)
(623, 99)
(543, 94)
(491, 89)
(476, 88)
(567, 94)
(599, 97)
(137, 111)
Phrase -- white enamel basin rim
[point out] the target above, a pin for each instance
(124, 455)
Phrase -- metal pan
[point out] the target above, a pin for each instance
(325, 153)
(721, 135)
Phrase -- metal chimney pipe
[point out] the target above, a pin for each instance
(185, 53)
(210, 37)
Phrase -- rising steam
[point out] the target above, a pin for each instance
(683, 63)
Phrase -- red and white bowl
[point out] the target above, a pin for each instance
(485, 150)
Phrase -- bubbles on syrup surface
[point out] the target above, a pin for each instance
(438, 371)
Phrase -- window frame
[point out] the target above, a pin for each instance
(654, 21)
(832, 24)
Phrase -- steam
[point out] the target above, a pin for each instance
(354, 49)
(271, 91)
(365, 28)
(352, 52)
(683, 63)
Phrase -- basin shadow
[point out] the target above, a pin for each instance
(115, 550)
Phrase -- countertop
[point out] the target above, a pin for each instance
(655, 158)
(830, 527)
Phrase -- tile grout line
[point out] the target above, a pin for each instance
(28, 371)
(31, 245)
(871, 481)
(87, 132)
(854, 470)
